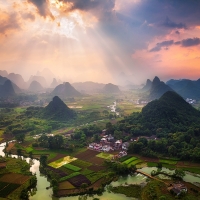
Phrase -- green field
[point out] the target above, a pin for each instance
(135, 162)
(69, 176)
(72, 167)
(130, 160)
(105, 155)
(63, 161)
(168, 161)
(81, 163)
(7, 188)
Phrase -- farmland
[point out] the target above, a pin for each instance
(105, 155)
(7, 188)
(62, 161)
(72, 167)
(14, 178)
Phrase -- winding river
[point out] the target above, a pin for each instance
(42, 183)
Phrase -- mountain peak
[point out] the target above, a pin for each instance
(65, 90)
(156, 80)
(111, 88)
(58, 110)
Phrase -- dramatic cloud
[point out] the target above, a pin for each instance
(43, 7)
(190, 42)
(184, 43)
(162, 44)
(170, 24)
(99, 39)
(8, 22)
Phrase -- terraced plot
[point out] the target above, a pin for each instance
(14, 178)
(130, 160)
(7, 188)
(105, 155)
(77, 181)
(65, 185)
(63, 161)
(81, 163)
(90, 156)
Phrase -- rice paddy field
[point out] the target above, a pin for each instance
(105, 155)
(62, 161)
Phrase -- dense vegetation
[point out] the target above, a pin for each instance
(173, 121)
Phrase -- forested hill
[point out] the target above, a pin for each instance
(171, 112)
(57, 110)
(174, 123)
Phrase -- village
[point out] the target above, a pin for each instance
(109, 144)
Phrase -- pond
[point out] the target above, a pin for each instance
(42, 183)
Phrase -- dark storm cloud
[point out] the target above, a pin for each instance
(105, 5)
(43, 7)
(184, 43)
(11, 23)
(190, 42)
(159, 46)
(170, 24)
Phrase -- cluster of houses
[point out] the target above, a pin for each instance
(108, 143)
(177, 188)
(190, 101)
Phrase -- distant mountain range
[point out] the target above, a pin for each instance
(155, 89)
(14, 86)
(88, 87)
(35, 87)
(111, 88)
(6, 90)
(186, 88)
(158, 88)
(65, 90)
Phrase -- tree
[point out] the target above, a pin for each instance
(105, 112)
(172, 150)
(159, 165)
(19, 152)
(43, 160)
(179, 173)
(84, 186)
(20, 137)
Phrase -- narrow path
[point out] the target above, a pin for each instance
(152, 177)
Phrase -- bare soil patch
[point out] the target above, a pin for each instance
(58, 156)
(96, 168)
(86, 154)
(77, 181)
(14, 178)
(146, 159)
(2, 165)
(90, 156)
(10, 146)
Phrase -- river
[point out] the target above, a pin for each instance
(42, 183)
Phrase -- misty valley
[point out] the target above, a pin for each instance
(89, 140)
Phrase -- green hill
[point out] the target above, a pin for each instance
(57, 110)
(170, 111)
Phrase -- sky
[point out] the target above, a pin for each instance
(118, 41)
